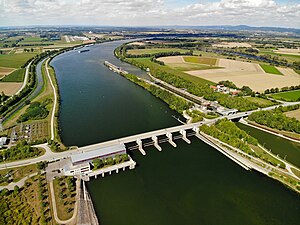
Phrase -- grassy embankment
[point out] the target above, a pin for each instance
(289, 96)
(270, 69)
(65, 192)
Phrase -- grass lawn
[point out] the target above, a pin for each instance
(154, 51)
(15, 76)
(265, 156)
(197, 80)
(17, 173)
(200, 60)
(270, 69)
(261, 102)
(15, 60)
(32, 39)
(289, 96)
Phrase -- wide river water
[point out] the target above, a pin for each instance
(191, 184)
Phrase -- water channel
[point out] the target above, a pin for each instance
(190, 184)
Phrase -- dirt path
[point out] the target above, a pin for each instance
(55, 102)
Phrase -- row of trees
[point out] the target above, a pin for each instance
(277, 119)
(21, 151)
(276, 90)
(229, 133)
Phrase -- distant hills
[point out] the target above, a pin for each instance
(238, 27)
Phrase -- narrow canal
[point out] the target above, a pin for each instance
(279, 146)
(190, 184)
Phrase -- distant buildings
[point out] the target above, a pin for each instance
(225, 90)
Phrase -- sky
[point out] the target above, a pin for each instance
(274, 13)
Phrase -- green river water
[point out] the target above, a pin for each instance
(191, 184)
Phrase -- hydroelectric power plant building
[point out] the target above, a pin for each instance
(79, 164)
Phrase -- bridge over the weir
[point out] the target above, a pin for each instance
(163, 135)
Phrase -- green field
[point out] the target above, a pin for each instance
(290, 96)
(15, 60)
(288, 57)
(15, 76)
(261, 102)
(154, 51)
(270, 69)
(200, 60)
(197, 80)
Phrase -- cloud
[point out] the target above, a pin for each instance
(148, 12)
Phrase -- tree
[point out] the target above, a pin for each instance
(16, 189)
(41, 165)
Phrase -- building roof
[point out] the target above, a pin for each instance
(98, 152)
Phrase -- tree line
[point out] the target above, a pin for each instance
(21, 151)
(276, 119)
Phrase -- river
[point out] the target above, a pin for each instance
(190, 184)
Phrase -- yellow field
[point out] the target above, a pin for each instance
(5, 70)
(288, 51)
(232, 45)
(9, 88)
(294, 113)
(248, 74)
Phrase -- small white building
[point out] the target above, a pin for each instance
(3, 141)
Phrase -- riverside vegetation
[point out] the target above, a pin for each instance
(21, 151)
(277, 119)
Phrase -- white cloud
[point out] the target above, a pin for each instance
(148, 12)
